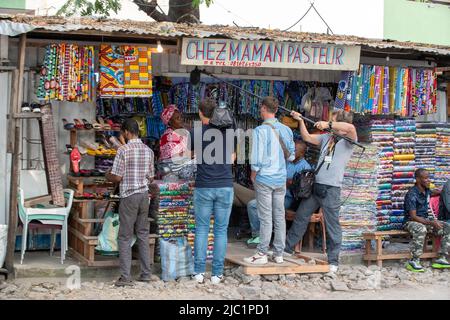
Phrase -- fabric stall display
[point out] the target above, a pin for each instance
(125, 71)
(175, 202)
(389, 90)
(404, 168)
(382, 137)
(111, 107)
(315, 98)
(67, 74)
(359, 193)
(425, 148)
(442, 173)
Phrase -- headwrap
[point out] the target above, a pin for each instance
(167, 113)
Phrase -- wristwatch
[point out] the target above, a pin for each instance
(329, 124)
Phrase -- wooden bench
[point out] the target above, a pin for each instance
(379, 256)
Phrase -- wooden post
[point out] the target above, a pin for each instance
(12, 223)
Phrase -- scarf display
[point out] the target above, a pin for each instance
(67, 74)
(359, 193)
(381, 90)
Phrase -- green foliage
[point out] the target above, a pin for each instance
(197, 3)
(102, 8)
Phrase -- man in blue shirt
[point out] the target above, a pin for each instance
(292, 168)
(272, 145)
(417, 222)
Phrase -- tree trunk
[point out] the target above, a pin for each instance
(179, 11)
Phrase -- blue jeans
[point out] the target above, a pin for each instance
(253, 212)
(208, 201)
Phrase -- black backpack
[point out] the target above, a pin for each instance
(302, 184)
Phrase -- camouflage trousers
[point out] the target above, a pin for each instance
(418, 233)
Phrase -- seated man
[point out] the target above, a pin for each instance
(418, 223)
(242, 194)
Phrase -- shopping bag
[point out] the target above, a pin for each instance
(176, 258)
(107, 239)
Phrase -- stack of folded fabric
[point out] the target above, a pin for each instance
(404, 167)
(359, 193)
(191, 234)
(175, 202)
(425, 149)
(382, 136)
(442, 173)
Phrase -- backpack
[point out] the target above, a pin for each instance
(302, 184)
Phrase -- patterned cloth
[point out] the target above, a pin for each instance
(172, 144)
(138, 71)
(111, 71)
(134, 163)
(167, 113)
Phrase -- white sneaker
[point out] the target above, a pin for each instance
(278, 259)
(257, 258)
(200, 277)
(333, 268)
(216, 279)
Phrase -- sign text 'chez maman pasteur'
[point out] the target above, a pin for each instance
(268, 54)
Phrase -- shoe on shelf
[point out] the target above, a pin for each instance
(36, 107)
(25, 107)
(199, 277)
(87, 125)
(253, 242)
(216, 279)
(414, 266)
(257, 258)
(68, 125)
(75, 158)
(122, 282)
(441, 263)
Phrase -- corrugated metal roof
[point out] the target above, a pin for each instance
(177, 30)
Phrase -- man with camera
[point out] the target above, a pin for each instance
(334, 156)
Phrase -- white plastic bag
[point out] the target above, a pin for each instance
(3, 241)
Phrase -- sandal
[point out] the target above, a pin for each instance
(115, 143)
(68, 125)
(87, 125)
(75, 158)
(96, 173)
(78, 124)
(104, 125)
(69, 148)
(85, 173)
(114, 126)
(97, 126)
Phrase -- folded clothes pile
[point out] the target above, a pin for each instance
(425, 149)
(382, 137)
(175, 201)
(442, 173)
(359, 193)
(404, 167)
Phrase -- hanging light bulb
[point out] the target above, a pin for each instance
(159, 48)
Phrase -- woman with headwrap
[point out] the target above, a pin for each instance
(174, 155)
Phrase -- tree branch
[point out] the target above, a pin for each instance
(150, 9)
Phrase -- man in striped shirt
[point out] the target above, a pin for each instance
(133, 168)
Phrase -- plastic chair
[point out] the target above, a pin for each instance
(51, 216)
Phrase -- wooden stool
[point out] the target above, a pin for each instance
(315, 218)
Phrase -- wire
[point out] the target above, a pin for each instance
(231, 12)
(353, 178)
(312, 5)
(300, 18)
